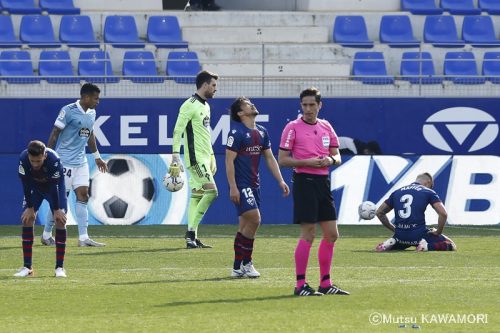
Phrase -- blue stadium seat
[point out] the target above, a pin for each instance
(121, 31)
(77, 31)
(396, 31)
(421, 7)
(95, 66)
(418, 68)
(492, 7)
(37, 31)
(460, 67)
(20, 6)
(64, 7)
(56, 63)
(460, 7)
(479, 31)
(351, 31)
(491, 67)
(183, 67)
(7, 36)
(164, 31)
(369, 68)
(140, 67)
(16, 67)
(441, 31)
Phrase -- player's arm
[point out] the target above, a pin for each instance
(54, 135)
(335, 156)
(285, 159)
(273, 166)
(185, 115)
(234, 193)
(443, 217)
(101, 165)
(382, 216)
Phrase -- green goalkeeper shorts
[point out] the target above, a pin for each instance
(199, 175)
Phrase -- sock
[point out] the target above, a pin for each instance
(193, 204)
(247, 247)
(325, 255)
(27, 237)
(60, 247)
(238, 252)
(301, 258)
(49, 223)
(206, 200)
(82, 218)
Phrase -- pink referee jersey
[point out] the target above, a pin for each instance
(305, 141)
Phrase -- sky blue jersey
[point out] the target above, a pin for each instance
(76, 126)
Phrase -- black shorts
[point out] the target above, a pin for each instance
(312, 199)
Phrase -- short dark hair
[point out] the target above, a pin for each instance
(236, 107)
(36, 148)
(89, 89)
(311, 92)
(205, 77)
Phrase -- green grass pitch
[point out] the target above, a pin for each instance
(144, 280)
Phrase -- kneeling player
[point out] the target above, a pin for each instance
(409, 204)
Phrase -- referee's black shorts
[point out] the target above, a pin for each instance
(312, 199)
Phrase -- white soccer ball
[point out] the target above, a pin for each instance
(367, 210)
(173, 184)
(124, 195)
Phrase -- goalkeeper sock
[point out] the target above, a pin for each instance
(193, 204)
(301, 258)
(325, 255)
(206, 200)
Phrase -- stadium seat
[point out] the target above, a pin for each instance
(418, 68)
(64, 7)
(16, 67)
(479, 31)
(492, 7)
(20, 6)
(77, 31)
(491, 67)
(460, 7)
(351, 31)
(369, 68)
(183, 67)
(460, 67)
(121, 31)
(421, 7)
(396, 31)
(164, 31)
(56, 63)
(140, 67)
(37, 31)
(441, 31)
(7, 36)
(95, 66)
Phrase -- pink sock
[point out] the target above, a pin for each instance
(301, 258)
(325, 255)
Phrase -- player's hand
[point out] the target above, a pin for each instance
(317, 162)
(175, 167)
(101, 165)
(60, 217)
(213, 164)
(284, 188)
(234, 194)
(28, 216)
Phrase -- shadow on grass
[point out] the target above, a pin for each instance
(215, 279)
(127, 251)
(227, 300)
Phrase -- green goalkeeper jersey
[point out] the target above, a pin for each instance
(193, 122)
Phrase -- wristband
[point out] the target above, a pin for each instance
(333, 160)
(96, 155)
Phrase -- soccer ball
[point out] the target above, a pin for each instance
(173, 184)
(367, 210)
(124, 195)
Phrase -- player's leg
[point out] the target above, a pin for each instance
(432, 242)
(61, 237)
(301, 255)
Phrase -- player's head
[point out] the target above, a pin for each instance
(36, 154)
(425, 179)
(206, 84)
(89, 96)
(310, 102)
(243, 107)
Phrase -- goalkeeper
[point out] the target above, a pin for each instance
(193, 122)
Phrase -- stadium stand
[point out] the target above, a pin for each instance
(121, 31)
(479, 31)
(16, 67)
(460, 67)
(396, 31)
(64, 7)
(369, 68)
(418, 68)
(95, 66)
(441, 31)
(492, 7)
(182, 67)
(491, 67)
(20, 7)
(7, 36)
(37, 31)
(460, 7)
(56, 63)
(350, 31)
(140, 67)
(164, 31)
(421, 7)
(77, 31)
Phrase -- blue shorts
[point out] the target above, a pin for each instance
(249, 199)
(38, 197)
(409, 238)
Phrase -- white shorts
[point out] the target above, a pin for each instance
(75, 177)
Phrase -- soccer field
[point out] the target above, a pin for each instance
(144, 280)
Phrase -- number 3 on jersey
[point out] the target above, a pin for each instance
(406, 199)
